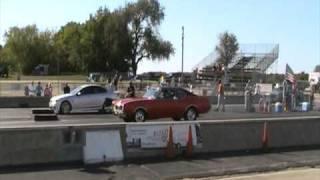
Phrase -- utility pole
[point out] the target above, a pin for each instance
(182, 54)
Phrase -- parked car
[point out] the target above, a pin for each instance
(162, 102)
(4, 71)
(85, 98)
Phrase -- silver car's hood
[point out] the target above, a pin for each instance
(59, 97)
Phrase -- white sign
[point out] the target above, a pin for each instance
(156, 136)
(263, 88)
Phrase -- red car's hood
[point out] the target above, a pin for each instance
(128, 100)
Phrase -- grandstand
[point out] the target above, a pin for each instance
(252, 61)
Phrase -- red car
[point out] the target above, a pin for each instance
(162, 102)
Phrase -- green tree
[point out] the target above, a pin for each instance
(143, 19)
(27, 47)
(227, 49)
(105, 42)
(68, 48)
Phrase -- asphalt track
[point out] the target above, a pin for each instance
(10, 117)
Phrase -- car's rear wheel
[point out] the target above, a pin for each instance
(140, 116)
(191, 114)
(65, 107)
(107, 106)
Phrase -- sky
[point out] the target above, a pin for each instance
(293, 24)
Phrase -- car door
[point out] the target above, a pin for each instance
(181, 101)
(98, 97)
(83, 99)
(166, 103)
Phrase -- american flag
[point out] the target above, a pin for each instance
(290, 75)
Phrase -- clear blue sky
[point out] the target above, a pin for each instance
(294, 24)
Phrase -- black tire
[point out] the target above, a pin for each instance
(191, 114)
(65, 107)
(126, 119)
(140, 116)
(107, 106)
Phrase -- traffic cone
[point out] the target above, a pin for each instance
(265, 136)
(189, 143)
(170, 149)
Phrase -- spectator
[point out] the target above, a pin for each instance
(26, 91)
(48, 91)
(173, 82)
(130, 90)
(66, 89)
(220, 96)
(115, 81)
(162, 81)
(51, 89)
(39, 89)
(32, 89)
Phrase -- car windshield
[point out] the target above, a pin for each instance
(151, 93)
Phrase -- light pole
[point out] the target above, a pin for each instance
(182, 54)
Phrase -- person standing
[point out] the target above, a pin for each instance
(130, 90)
(220, 92)
(39, 89)
(32, 89)
(26, 90)
(47, 91)
(50, 89)
(66, 89)
(248, 97)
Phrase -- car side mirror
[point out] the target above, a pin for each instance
(78, 93)
(175, 98)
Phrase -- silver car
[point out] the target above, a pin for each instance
(85, 98)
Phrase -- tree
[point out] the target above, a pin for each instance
(227, 49)
(68, 48)
(27, 47)
(143, 19)
(106, 42)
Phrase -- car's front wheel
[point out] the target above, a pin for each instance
(65, 107)
(191, 114)
(140, 115)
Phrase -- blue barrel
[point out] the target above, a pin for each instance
(278, 107)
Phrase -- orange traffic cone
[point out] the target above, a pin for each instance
(189, 143)
(170, 149)
(265, 136)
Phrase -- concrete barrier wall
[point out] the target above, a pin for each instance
(36, 146)
(288, 133)
(21, 102)
(20, 146)
(231, 136)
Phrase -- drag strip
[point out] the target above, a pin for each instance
(22, 117)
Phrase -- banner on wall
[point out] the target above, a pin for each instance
(155, 136)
